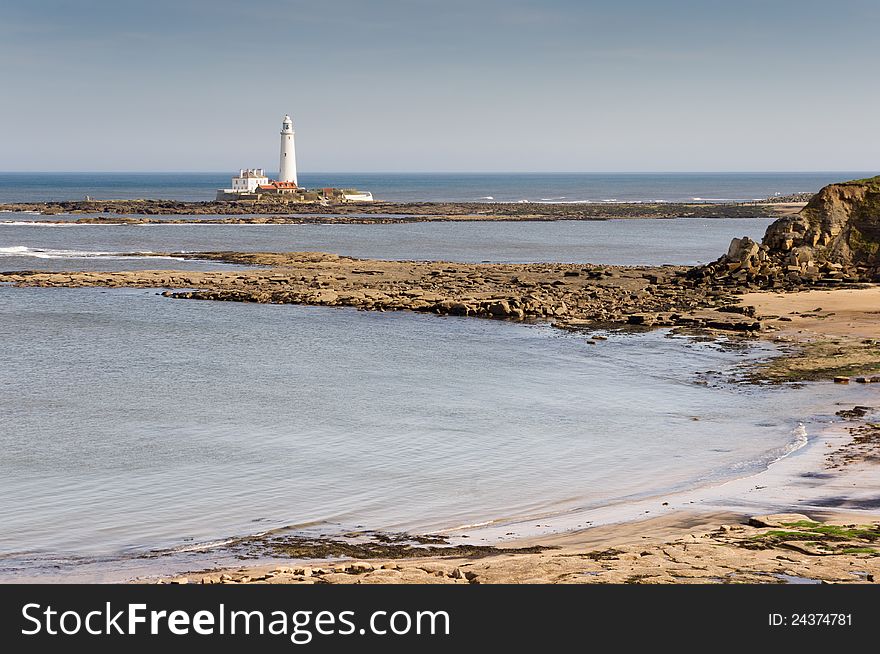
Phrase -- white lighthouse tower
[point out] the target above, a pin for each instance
(287, 167)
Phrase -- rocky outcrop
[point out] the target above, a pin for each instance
(834, 239)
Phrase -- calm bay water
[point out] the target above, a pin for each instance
(132, 421)
(501, 187)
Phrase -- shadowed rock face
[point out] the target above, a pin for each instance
(840, 224)
(834, 239)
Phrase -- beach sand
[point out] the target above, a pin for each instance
(846, 313)
(826, 334)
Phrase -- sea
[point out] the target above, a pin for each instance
(437, 187)
(134, 424)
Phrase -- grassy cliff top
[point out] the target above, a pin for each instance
(873, 183)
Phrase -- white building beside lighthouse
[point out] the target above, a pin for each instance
(247, 182)
(287, 165)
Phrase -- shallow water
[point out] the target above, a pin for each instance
(133, 422)
(684, 241)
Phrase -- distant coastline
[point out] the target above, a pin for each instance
(140, 211)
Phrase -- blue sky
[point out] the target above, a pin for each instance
(454, 85)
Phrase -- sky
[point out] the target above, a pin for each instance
(450, 85)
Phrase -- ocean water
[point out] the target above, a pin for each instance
(133, 422)
(25, 246)
(474, 187)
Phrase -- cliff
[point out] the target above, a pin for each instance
(834, 239)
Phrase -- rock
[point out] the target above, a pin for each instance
(499, 309)
(778, 519)
(359, 568)
(835, 239)
(855, 412)
(461, 309)
(325, 296)
(646, 319)
(738, 308)
(841, 380)
(742, 248)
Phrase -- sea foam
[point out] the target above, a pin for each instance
(46, 253)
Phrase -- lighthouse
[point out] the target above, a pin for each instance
(253, 185)
(287, 167)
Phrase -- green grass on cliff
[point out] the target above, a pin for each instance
(873, 183)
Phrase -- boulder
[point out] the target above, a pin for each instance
(325, 296)
(500, 309)
(742, 248)
(646, 319)
(777, 520)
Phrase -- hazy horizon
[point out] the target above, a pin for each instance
(457, 87)
(441, 172)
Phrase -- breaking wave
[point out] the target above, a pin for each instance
(47, 253)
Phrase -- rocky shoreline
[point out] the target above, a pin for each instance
(774, 549)
(570, 295)
(137, 211)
